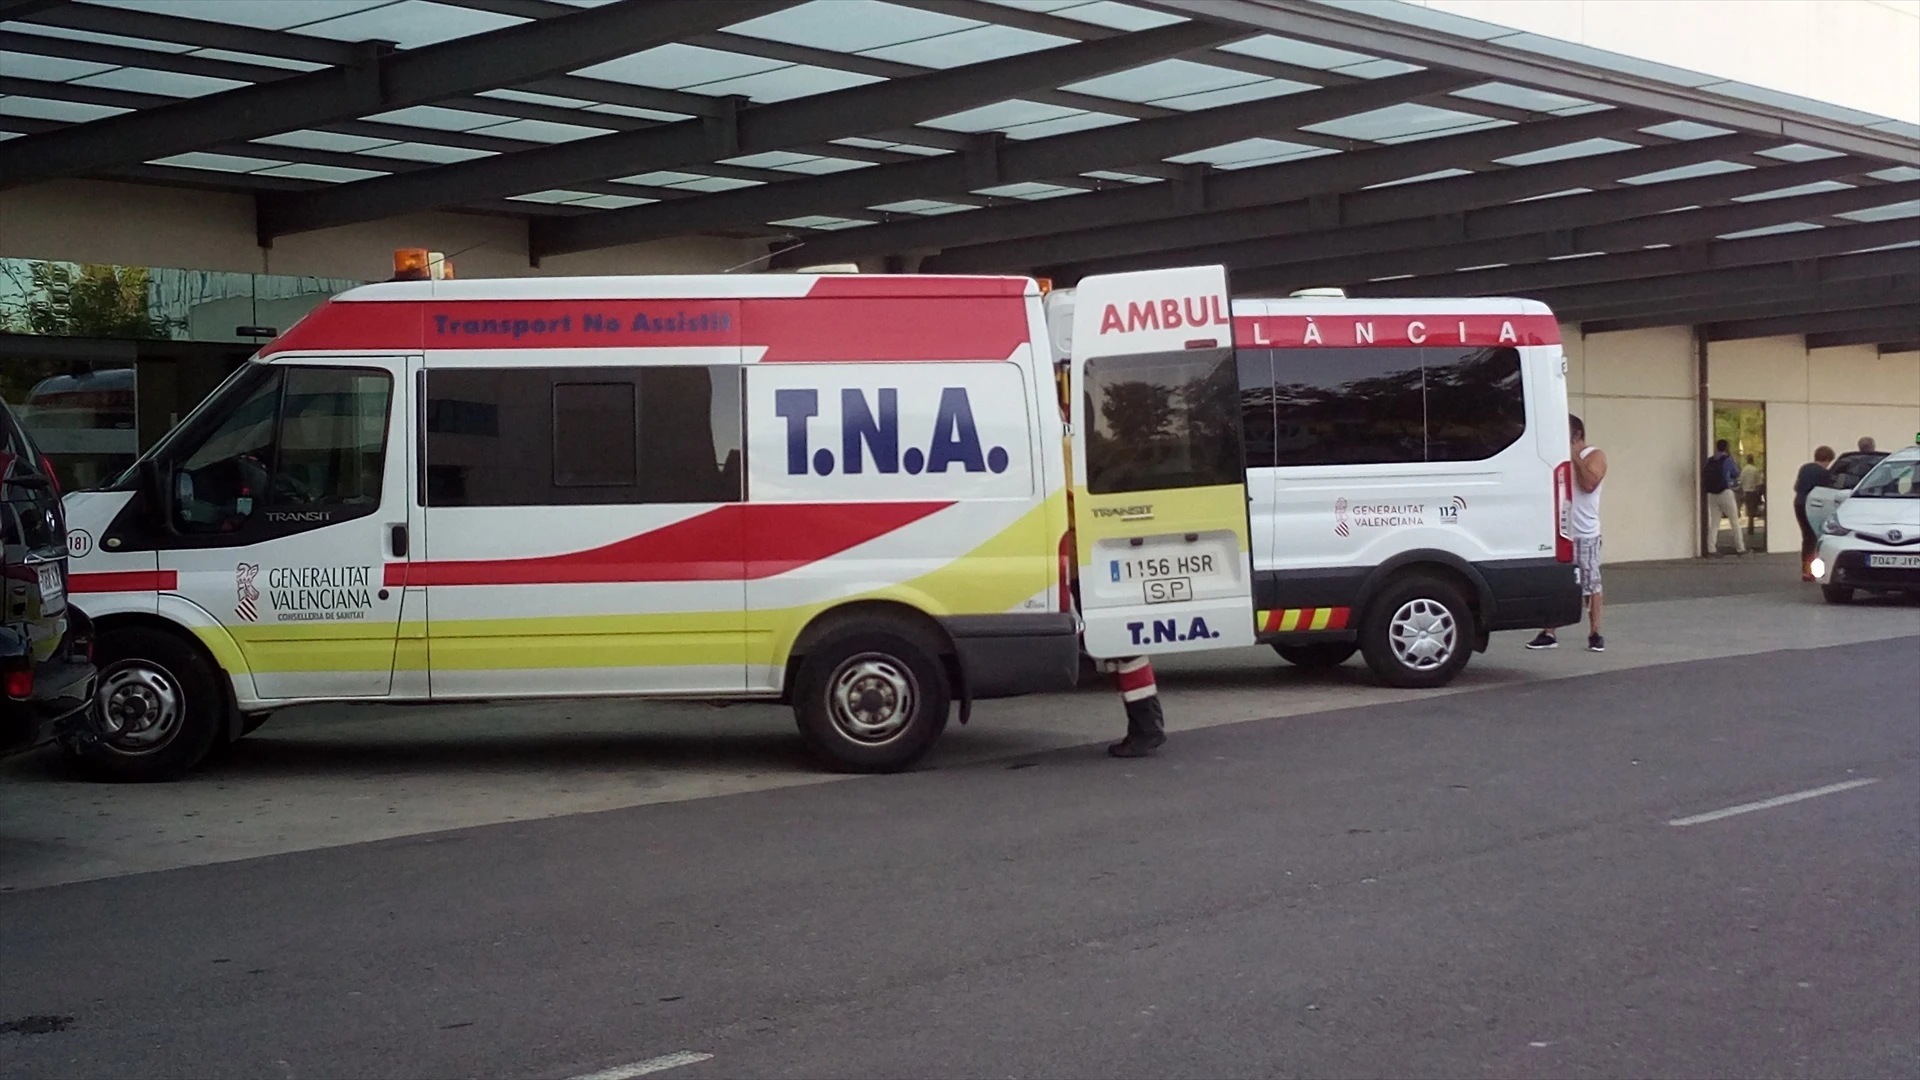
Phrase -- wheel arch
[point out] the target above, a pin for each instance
(146, 620)
(861, 614)
(1442, 564)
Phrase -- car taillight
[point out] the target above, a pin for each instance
(53, 479)
(1563, 511)
(1065, 594)
(20, 683)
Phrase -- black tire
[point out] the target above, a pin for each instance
(251, 722)
(1837, 594)
(1317, 654)
(151, 673)
(1415, 598)
(893, 665)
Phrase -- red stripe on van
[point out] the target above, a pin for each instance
(124, 581)
(911, 325)
(737, 542)
(1362, 331)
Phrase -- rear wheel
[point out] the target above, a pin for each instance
(1837, 594)
(1317, 654)
(871, 700)
(158, 708)
(1418, 633)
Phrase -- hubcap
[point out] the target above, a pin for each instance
(872, 697)
(140, 706)
(1424, 634)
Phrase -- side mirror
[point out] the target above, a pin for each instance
(155, 493)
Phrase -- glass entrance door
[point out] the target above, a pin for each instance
(1744, 425)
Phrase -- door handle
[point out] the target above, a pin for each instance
(399, 541)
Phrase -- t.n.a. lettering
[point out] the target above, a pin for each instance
(870, 438)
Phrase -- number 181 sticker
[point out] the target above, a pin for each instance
(79, 543)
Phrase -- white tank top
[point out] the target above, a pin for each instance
(1585, 516)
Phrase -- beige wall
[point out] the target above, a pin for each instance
(137, 225)
(1635, 391)
(1820, 397)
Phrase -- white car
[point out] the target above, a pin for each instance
(1872, 540)
(1847, 470)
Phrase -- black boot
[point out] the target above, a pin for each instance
(1146, 729)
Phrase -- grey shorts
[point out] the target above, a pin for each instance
(1586, 562)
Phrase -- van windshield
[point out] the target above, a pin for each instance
(225, 397)
(1163, 420)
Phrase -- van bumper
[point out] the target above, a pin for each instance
(1531, 594)
(1009, 655)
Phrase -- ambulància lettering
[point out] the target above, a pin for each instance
(870, 435)
(320, 593)
(1192, 312)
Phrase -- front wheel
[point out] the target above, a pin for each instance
(1837, 594)
(871, 701)
(1418, 633)
(157, 707)
(1317, 654)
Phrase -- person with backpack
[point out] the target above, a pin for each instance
(1718, 477)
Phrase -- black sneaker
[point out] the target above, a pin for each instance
(1132, 748)
(1596, 643)
(1544, 641)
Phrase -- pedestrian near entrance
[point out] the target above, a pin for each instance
(1719, 476)
(1146, 724)
(1813, 474)
(1583, 521)
(1750, 492)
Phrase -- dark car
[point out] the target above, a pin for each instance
(46, 644)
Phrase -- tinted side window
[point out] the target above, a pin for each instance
(1165, 420)
(582, 436)
(1348, 406)
(1476, 402)
(1256, 405)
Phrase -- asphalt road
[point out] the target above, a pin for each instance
(1483, 884)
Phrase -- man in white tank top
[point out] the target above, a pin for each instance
(1589, 472)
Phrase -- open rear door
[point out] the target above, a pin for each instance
(1159, 480)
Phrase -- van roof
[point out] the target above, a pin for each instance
(698, 287)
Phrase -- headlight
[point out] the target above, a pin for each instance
(1832, 527)
(1818, 567)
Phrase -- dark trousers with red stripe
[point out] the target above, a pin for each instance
(1133, 677)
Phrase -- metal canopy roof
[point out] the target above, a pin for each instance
(1381, 147)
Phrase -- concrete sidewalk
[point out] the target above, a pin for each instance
(335, 775)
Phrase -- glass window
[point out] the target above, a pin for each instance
(293, 439)
(1851, 466)
(1476, 402)
(1348, 406)
(1890, 479)
(573, 436)
(1256, 406)
(1165, 420)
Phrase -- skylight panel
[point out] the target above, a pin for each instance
(1117, 16)
(546, 131)
(1245, 150)
(1066, 125)
(1687, 172)
(1520, 97)
(48, 68)
(1298, 53)
(553, 196)
(677, 66)
(924, 207)
(613, 202)
(851, 25)
(1800, 152)
(73, 112)
(528, 97)
(1814, 188)
(276, 15)
(1233, 95)
(332, 141)
(436, 117)
(227, 163)
(63, 33)
(1395, 121)
(432, 153)
(1686, 130)
(410, 23)
(1890, 212)
(787, 83)
(978, 45)
(1567, 152)
(1162, 78)
(166, 83)
(332, 174)
(1000, 115)
(1770, 230)
(1422, 178)
(258, 60)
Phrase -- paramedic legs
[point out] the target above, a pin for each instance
(1589, 471)
(1146, 728)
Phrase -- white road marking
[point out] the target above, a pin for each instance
(1777, 800)
(651, 1065)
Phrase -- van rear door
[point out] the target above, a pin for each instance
(1159, 484)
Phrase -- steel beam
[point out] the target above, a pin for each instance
(1625, 297)
(1452, 210)
(1890, 323)
(1130, 204)
(994, 162)
(1887, 347)
(1528, 278)
(153, 26)
(1696, 311)
(859, 110)
(380, 81)
(1348, 29)
(1618, 220)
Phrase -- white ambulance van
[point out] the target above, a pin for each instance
(1405, 465)
(845, 492)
